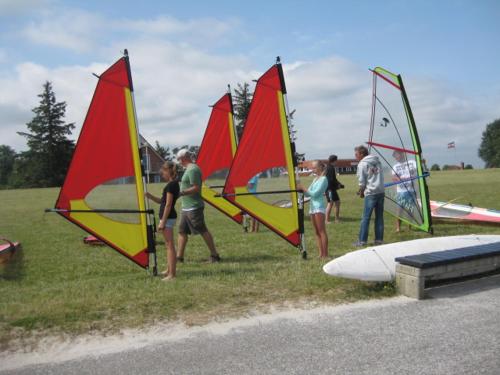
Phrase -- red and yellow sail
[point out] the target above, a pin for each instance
(216, 155)
(103, 192)
(265, 153)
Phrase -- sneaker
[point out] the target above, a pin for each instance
(359, 244)
(378, 242)
(214, 259)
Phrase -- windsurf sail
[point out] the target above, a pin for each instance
(103, 192)
(394, 138)
(263, 169)
(215, 155)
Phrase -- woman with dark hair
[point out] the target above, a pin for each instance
(168, 215)
(332, 196)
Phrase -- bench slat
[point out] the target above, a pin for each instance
(440, 258)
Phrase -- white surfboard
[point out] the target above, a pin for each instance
(377, 263)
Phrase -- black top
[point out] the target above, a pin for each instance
(173, 188)
(331, 177)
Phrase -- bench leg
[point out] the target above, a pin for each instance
(410, 286)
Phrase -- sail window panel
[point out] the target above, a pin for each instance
(116, 194)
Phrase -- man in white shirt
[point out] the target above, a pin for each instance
(404, 172)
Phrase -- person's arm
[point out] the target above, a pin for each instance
(395, 176)
(166, 211)
(152, 197)
(361, 180)
(318, 188)
(192, 190)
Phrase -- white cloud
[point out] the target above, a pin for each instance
(81, 31)
(74, 30)
(194, 30)
(332, 99)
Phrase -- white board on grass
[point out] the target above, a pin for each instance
(377, 263)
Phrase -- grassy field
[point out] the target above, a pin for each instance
(62, 286)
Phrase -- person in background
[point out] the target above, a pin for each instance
(332, 196)
(371, 188)
(252, 188)
(192, 218)
(316, 191)
(168, 215)
(403, 173)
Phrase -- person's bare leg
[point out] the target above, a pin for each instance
(337, 211)
(323, 237)
(168, 235)
(314, 219)
(182, 240)
(209, 240)
(328, 212)
(255, 225)
(398, 225)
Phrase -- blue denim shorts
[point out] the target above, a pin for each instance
(170, 223)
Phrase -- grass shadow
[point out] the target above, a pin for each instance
(251, 258)
(207, 272)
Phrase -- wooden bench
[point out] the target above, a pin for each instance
(412, 272)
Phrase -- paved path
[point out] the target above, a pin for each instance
(457, 331)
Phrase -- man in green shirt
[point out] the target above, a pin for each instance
(192, 217)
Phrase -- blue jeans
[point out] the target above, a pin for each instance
(373, 202)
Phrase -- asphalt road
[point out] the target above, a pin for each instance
(456, 331)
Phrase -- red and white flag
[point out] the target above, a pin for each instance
(451, 144)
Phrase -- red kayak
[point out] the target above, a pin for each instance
(8, 249)
(91, 240)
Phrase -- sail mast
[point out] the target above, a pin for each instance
(424, 190)
(141, 179)
(300, 194)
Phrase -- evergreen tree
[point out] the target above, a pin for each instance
(163, 152)
(242, 99)
(435, 167)
(47, 160)
(489, 150)
(7, 159)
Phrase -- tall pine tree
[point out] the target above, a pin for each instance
(242, 99)
(163, 152)
(47, 159)
(7, 159)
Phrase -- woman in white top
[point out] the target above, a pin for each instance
(317, 207)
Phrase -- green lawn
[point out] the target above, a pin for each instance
(63, 286)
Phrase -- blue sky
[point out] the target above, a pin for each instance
(184, 53)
